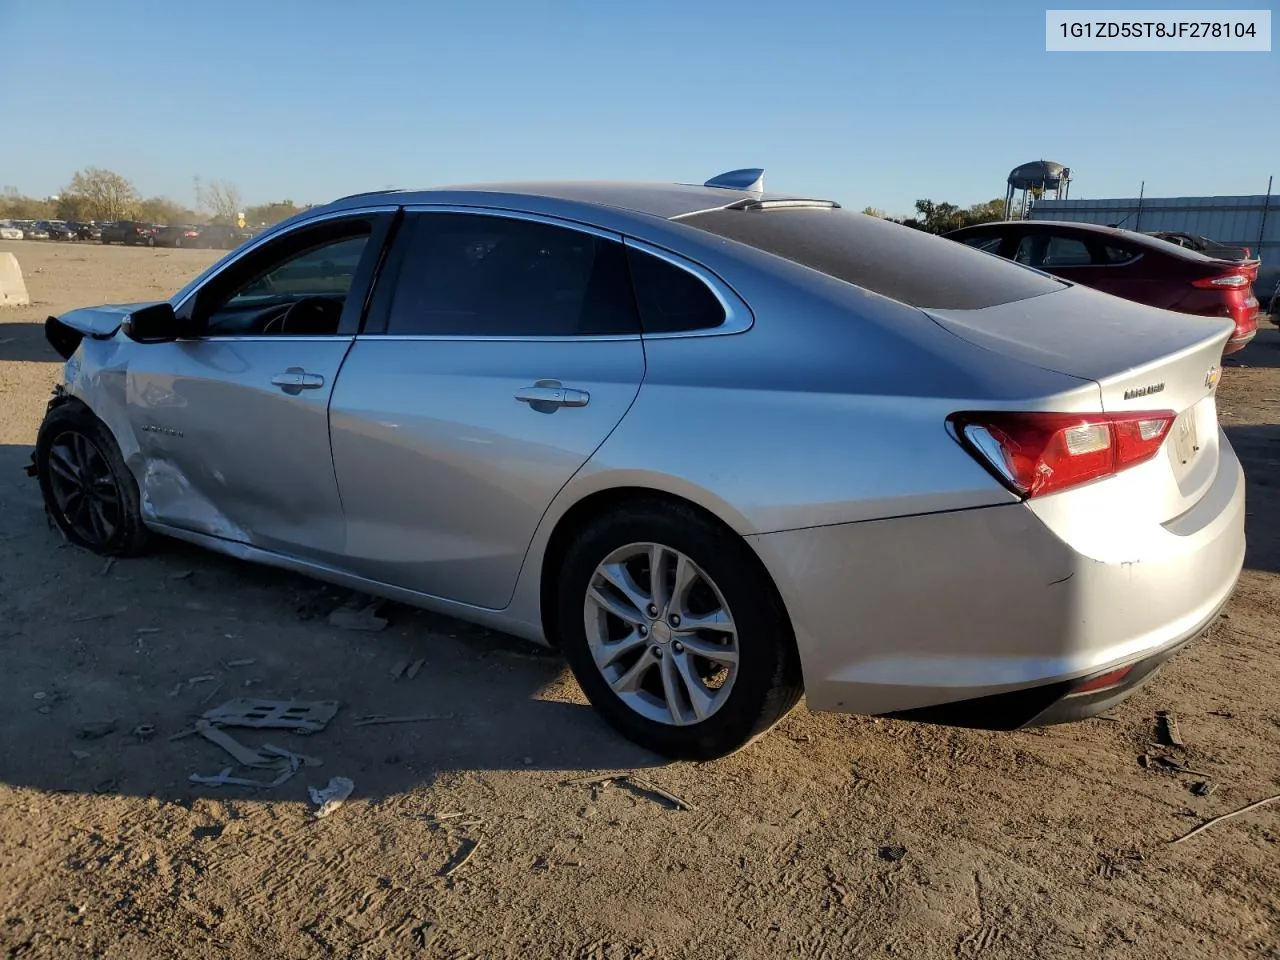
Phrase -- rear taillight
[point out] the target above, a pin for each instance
(1224, 281)
(1034, 454)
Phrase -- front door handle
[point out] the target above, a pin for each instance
(295, 380)
(550, 394)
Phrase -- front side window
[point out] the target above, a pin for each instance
(296, 286)
(479, 275)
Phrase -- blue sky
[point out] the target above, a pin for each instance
(874, 104)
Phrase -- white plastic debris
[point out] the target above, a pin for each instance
(333, 796)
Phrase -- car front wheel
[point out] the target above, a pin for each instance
(675, 633)
(87, 489)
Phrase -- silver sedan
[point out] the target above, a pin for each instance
(720, 446)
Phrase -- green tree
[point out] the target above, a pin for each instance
(164, 210)
(268, 214)
(16, 206)
(875, 212)
(220, 199)
(98, 194)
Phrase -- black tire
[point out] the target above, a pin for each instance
(768, 683)
(128, 536)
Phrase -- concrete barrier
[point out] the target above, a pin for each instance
(13, 291)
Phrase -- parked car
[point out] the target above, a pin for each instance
(1201, 244)
(33, 230)
(86, 231)
(178, 236)
(222, 236)
(128, 232)
(9, 232)
(1131, 265)
(717, 445)
(56, 229)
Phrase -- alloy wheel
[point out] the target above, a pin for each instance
(85, 492)
(661, 634)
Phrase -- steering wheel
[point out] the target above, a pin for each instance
(310, 315)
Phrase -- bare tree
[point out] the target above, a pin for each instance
(220, 198)
(100, 194)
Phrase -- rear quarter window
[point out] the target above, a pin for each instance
(886, 258)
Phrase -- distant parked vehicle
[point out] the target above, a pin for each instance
(56, 229)
(1131, 265)
(222, 236)
(178, 236)
(129, 232)
(1210, 248)
(35, 231)
(9, 232)
(86, 230)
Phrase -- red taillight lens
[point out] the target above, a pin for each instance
(1225, 281)
(1039, 453)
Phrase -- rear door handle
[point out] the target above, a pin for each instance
(295, 380)
(552, 393)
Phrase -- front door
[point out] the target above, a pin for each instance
(233, 423)
(496, 361)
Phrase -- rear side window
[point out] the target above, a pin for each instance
(885, 258)
(1066, 252)
(986, 243)
(474, 275)
(671, 299)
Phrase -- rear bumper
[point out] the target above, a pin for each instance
(988, 618)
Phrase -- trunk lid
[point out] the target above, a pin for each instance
(1140, 357)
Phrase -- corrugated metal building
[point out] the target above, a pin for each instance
(1235, 221)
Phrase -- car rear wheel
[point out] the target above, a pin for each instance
(675, 633)
(87, 489)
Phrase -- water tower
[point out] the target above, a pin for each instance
(1037, 179)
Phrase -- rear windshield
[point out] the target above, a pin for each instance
(885, 258)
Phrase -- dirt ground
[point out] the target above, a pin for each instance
(833, 837)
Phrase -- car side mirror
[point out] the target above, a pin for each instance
(156, 323)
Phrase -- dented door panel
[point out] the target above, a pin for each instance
(225, 451)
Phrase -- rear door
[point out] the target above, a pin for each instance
(233, 423)
(501, 351)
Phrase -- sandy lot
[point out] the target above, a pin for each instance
(834, 837)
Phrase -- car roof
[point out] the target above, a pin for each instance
(1120, 235)
(665, 200)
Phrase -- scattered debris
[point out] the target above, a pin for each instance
(246, 662)
(145, 630)
(333, 796)
(212, 693)
(296, 759)
(1203, 788)
(1227, 816)
(106, 786)
(177, 689)
(143, 732)
(1170, 764)
(203, 678)
(224, 779)
(245, 756)
(398, 670)
(39, 695)
(81, 754)
(378, 718)
(414, 668)
(301, 716)
(635, 785)
(460, 860)
(1167, 724)
(106, 567)
(96, 730)
(359, 613)
(892, 853)
(99, 616)
(182, 575)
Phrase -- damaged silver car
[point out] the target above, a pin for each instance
(720, 446)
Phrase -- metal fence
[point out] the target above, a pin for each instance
(1252, 222)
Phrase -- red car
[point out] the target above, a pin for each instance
(1130, 265)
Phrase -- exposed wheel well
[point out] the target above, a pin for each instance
(589, 509)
